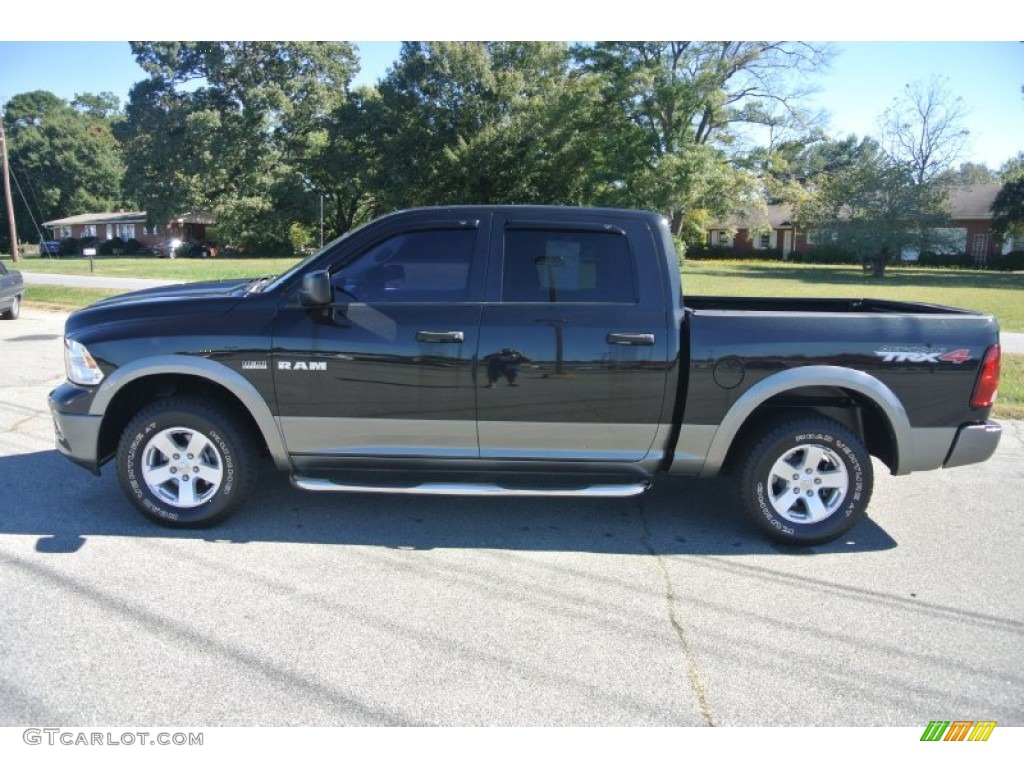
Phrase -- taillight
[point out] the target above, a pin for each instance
(988, 380)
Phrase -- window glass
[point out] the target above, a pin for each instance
(554, 266)
(431, 265)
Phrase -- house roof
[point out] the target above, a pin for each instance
(129, 217)
(968, 202)
(973, 202)
(774, 216)
(118, 217)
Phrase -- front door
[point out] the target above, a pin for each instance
(386, 370)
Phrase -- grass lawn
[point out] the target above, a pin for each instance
(160, 269)
(1010, 403)
(999, 293)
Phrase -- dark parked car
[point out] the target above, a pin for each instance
(12, 289)
(175, 247)
(49, 248)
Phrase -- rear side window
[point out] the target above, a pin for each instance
(559, 266)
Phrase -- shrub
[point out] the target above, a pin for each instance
(959, 260)
(1010, 262)
(825, 254)
(133, 247)
(111, 247)
(717, 252)
(69, 245)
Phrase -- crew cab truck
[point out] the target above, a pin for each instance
(519, 351)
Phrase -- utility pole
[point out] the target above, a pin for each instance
(7, 191)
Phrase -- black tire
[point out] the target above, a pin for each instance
(14, 310)
(806, 480)
(158, 477)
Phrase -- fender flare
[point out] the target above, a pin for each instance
(809, 376)
(203, 368)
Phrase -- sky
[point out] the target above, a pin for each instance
(862, 81)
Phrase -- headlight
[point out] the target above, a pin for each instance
(79, 364)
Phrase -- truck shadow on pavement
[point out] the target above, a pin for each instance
(43, 495)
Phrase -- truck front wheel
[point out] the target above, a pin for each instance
(185, 464)
(806, 480)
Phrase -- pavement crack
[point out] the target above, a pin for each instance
(697, 684)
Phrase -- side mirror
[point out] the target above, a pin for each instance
(316, 289)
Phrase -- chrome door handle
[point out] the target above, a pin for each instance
(631, 339)
(441, 337)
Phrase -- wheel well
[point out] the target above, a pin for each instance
(857, 412)
(141, 392)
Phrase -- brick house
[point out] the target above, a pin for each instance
(969, 211)
(129, 225)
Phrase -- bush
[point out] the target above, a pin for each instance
(825, 254)
(1011, 262)
(133, 247)
(111, 247)
(958, 260)
(717, 252)
(69, 245)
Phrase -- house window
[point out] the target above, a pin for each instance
(722, 238)
(154, 230)
(65, 231)
(126, 231)
(110, 231)
(762, 242)
(89, 230)
(821, 237)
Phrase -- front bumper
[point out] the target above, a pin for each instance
(973, 443)
(77, 434)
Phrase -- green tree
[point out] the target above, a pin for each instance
(499, 122)
(1008, 210)
(238, 128)
(876, 208)
(64, 159)
(677, 106)
(1012, 169)
(968, 174)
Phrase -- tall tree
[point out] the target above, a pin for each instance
(64, 160)
(924, 129)
(483, 122)
(235, 127)
(1008, 210)
(876, 208)
(678, 105)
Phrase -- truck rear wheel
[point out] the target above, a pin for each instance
(185, 464)
(806, 480)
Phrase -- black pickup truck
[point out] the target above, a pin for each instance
(505, 350)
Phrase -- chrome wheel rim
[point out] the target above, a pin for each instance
(182, 467)
(807, 484)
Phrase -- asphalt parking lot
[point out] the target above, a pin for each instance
(667, 609)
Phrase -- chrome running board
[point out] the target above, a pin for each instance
(470, 489)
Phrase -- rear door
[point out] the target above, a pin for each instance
(574, 353)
